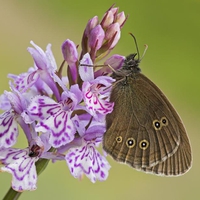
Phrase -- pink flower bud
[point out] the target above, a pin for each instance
(112, 29)
(107, 19)
(113, 34)
(91, 24)
(121, 18)
(96, 37)
(70, 55)
(115, 61)
(69, 51)
(114, 11)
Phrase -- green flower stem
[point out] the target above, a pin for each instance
(12, 194)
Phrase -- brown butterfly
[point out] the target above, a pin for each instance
(144, 130)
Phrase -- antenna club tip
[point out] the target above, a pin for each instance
(131, 34)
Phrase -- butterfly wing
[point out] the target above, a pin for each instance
(180, 162)
(177, 164)
(143, 129)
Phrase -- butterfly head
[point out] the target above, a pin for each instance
(131, 63)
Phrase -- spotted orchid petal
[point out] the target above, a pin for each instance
(87, 160)
(61, 128)
(25, 80)
(8, 129)
(94, 101)
(41, 108)
(93, 88)
(22, 168)
(53, 117)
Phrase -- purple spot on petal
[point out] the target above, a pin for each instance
(12, 136)
(76, 123)
(102, 174)
(57, 143)
(69, 127)
(33, 108)
(20, 188)
(7, 141)
(43, 125)
(102, 165)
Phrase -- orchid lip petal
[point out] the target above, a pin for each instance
(41, 108)
(87, 160)
(92, 91)
(21, 166)
(52, 117)
(61, 129)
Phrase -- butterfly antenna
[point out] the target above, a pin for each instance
(138, 53)
(137, 49)
(145, 49)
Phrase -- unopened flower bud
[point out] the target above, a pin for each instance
(96, 37)
(121, 18)
(90, 25)
(113, 34)
(69, 51)
(107, 19)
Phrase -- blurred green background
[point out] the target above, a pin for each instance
(172, 31)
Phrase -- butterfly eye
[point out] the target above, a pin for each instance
(130, 142)
(164, 121)
(156, 125)
(119, 139)
(144, 144)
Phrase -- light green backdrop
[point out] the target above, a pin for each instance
(172, 31)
